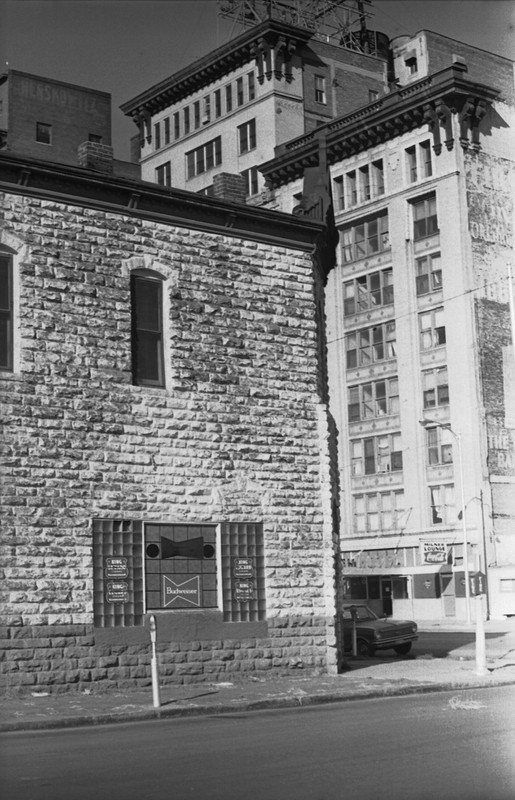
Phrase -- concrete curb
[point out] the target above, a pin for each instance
(239, 706)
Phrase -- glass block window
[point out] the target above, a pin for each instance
(117, 573)
(243, 571)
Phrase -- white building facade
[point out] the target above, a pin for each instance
(418, 333)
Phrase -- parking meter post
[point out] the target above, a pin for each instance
(354, 639)
(480, 638)
(156, 699)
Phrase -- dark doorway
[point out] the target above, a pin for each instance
(386, 593)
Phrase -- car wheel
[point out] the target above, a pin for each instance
(364, 648)
(403, 649)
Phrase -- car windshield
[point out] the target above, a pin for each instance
(360, 612)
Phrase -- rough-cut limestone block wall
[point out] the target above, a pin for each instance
(233, 437)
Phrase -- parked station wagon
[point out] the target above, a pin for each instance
(375, 633)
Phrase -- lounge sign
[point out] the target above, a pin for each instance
(434, 552)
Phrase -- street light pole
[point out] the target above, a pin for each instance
(429, 422)
(457, 436)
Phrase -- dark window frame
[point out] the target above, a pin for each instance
(7, 312)
(147, 329)
(44, 133)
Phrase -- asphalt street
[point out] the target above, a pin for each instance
(451, 746)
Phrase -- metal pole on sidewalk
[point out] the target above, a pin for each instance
(153, 663)
(480, 638)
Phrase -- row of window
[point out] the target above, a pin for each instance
(44, 134)
(203, 111)
(358, 186)
(375, 289)
(369, 236)
(380, 398)
(382, 511)
(370, 345)
(376, 454)
(378, 342)
(368, 291)
(377, 511)
(367, 182)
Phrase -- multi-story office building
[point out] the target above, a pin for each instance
(226, 112)
(418, 328)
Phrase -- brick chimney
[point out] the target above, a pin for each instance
(96, 156)
(229, 186)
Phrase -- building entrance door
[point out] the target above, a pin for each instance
(448, 594)
(386, 594)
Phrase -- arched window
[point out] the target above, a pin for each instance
(6, 310)
(147, 329)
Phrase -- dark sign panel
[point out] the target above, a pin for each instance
(244, 591)
(243, 567)
(116, 567)
(117, 592)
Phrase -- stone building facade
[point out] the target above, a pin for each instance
(200, 492)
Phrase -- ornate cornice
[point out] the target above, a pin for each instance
(432, 101)
(85, 188)
(254, 45)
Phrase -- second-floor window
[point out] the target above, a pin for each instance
(166, 131)
(435, 387)
(432, 329)
(247, 137)
(377, 511)
(425, 221)
(368, 291)
(204, 158)
(365, 238)
(368, 345)
(176, 125)
(428, 273)
(196, 114)
(147, 331)
(376, 454)
(373, 399)
(186, 120)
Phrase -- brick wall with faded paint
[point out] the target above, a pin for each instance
(490, 181)
(235, 436)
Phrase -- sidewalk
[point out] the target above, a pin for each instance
(380, 676)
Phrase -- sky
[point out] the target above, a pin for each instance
(126, 46)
